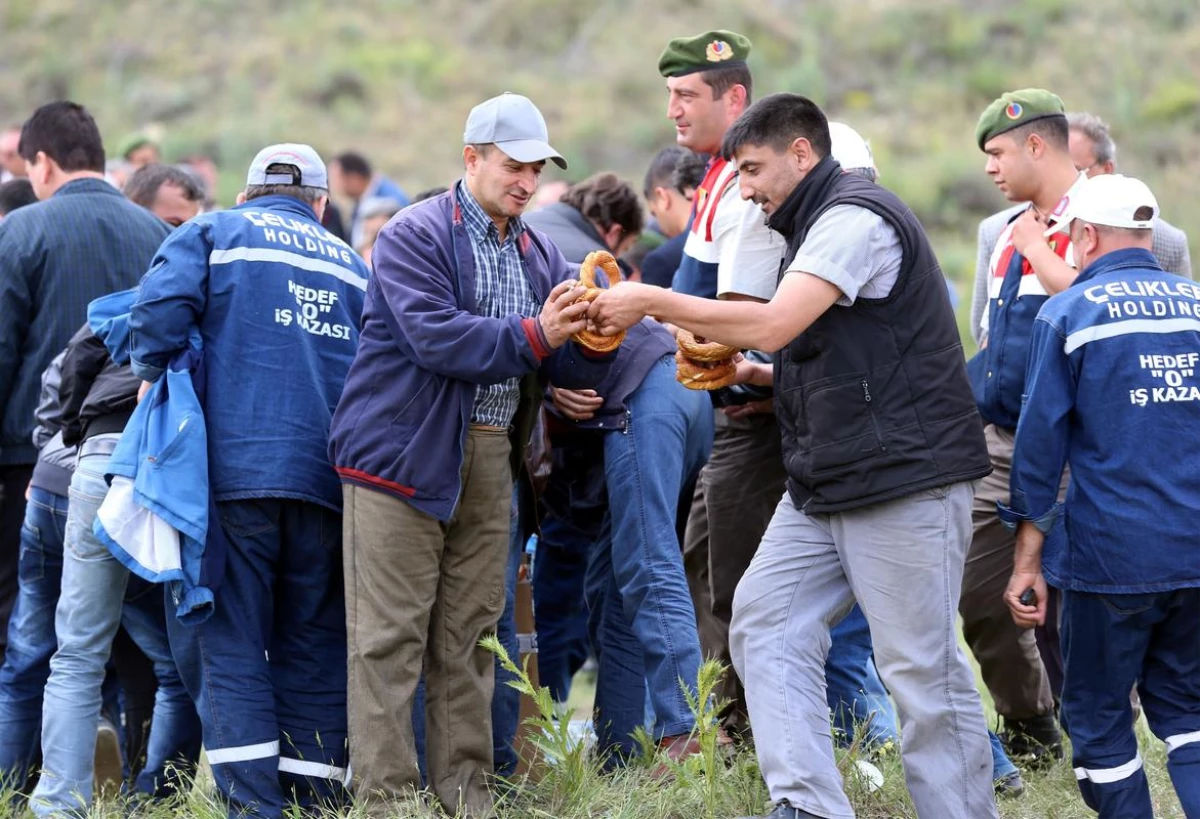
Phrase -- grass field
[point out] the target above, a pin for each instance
(707, 786)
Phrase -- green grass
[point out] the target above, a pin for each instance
(703, 787)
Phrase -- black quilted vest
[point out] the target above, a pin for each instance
(873, 399)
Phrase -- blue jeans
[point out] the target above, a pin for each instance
(268, 670)
(1109, 642)
(855, 693)
(1002, 766)
(558, 596)
(31, 640)
(90, 609)
(636, 585)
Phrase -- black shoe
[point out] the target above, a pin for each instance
(785, 811)
(1011, 786)
(1035, 742)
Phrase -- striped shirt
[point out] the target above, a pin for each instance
(56, 256)
(501, 289)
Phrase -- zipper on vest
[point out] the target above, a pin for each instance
(870, 411)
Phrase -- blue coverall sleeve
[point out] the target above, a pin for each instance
(171, 300)
(1043, 433)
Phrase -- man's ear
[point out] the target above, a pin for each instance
(318, 207)
(612, 237)
(737, 97)
(241, 198)
(803, 152)
(662, 199)
(42, 166)
(1036, 145)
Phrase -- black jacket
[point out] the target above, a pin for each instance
(97, 395)
(873, 399)
(56, 460)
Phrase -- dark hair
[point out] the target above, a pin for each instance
(354, 163)
(689, 171)
(16, 193)
(1053, 129)
(662, 169)
(607, 200)
(429, 193)
(722, 79)
(304, 193)
(777, 121)
(66, 133)
(143, 186)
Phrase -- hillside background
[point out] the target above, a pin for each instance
(396, 78)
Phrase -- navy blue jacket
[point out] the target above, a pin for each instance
(660, 264)
(401, 425)
(277, 300)
(1114, 390)
(56, 256)
(997, 371)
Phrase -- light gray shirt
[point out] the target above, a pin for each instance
(854, 249)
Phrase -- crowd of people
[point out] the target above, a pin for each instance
(269, 473)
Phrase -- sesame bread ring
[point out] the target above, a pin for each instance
(603, 260)
(697, 375)
(700, 350)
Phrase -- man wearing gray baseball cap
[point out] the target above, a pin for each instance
(275, 300)
(514, 125)
(468, 307)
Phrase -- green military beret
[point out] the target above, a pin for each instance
(712, 49)
(1016, 108)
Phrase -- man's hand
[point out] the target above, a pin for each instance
(1027, 574)
(1028, 232)
(561, 316)
(766, 407)
(1027, 616)
(578, 405)
(620, 307)
(753, 372)
(142, 390)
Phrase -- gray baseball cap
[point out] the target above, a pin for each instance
(515, 126)
(288, 164)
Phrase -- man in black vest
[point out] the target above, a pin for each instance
(882, 444)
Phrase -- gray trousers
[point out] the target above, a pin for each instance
(903, 562)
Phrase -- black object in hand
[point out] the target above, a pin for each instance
(1028, 597)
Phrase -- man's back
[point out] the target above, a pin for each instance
(1116, 379)
(276, 300)
(84, 242)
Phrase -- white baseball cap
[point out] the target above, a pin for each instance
(849, 148)
(1113, 200)
(289, 163)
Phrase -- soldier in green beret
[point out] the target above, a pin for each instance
(1024, 135)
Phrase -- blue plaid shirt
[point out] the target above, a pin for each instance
(501, 289)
